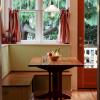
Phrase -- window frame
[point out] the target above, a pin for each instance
(39, 22)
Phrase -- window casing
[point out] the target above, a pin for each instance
(35, 23)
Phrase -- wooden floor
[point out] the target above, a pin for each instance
(82, 95)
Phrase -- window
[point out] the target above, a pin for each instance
(91, 18)
(87, 51)
(37, 24)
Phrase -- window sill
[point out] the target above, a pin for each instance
(37, 43)
(4, 45)
(23, 42)
(47, 43)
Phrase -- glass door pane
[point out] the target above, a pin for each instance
(90, 48)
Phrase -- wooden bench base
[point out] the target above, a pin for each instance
(17, 86)
(20, 85)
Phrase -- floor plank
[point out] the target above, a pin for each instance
(82, 95)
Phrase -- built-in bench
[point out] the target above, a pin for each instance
(20, 85)
(17, 86)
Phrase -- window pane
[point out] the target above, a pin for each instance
(51, 22)
(87, 52)
(46, 3)
(62, 4)
(32, 4)
(91, 31)
(91, 21)
(55, 2)
(58, 3)
(27, 23)
(16, 4)
(24, 4)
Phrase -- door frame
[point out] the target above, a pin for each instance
(82, 72)
(80, 45)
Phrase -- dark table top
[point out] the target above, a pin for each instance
(61, 64)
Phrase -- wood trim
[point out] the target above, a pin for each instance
(80, 45)
(23, 78)
(39, 73)
(81, 30)
(6, 75)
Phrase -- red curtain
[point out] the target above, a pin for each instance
(14, 34)
(64, 26)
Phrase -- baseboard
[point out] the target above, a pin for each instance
(87, 89)
(6, 75)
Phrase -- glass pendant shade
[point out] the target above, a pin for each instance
(52, 8)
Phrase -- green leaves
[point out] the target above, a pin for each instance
(91, 17)
(91, 33)
(23, 4)
(90, 9)
(15, 4)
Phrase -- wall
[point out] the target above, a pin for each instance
(20, 55)
(74, 34)
(0, 58)
(73, 26)
(0, 76)
(5, 60)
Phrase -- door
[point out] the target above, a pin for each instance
(87, 40)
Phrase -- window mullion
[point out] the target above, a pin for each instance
(39, 19)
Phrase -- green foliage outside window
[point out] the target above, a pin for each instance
(90, 9)
(16, 4)
(91, 21)
(51, 23)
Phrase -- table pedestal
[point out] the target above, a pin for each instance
(56, 92)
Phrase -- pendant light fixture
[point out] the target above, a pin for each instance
(52, 8)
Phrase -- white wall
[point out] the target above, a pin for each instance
(20, 55)
(5, 60)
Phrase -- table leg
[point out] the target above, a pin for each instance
(60, 84)
(32, 86)
(49, 85)
(55, 85)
